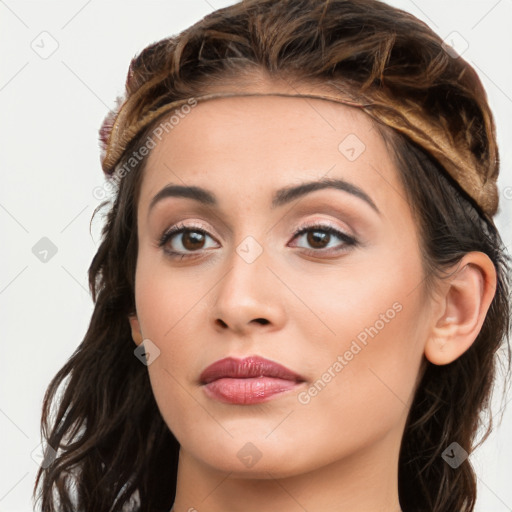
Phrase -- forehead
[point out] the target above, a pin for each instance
(249, 143)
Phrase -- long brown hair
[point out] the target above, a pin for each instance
(114, 450)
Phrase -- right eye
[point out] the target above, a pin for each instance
(180, 239)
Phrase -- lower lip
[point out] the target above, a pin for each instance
(248, 391)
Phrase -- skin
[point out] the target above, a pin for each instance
(339, 451)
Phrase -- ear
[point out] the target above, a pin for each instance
(466, 296)
(136, 332)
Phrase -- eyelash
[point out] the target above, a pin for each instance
(348, 240)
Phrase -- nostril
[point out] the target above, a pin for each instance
(262, 321)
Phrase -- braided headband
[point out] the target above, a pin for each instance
(476, 175)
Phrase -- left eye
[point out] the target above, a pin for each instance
(319, 237)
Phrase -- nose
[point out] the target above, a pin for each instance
(249, 296)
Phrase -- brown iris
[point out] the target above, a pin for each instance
(318, 239)
(192, 240)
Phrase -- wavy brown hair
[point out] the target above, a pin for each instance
(114, 450)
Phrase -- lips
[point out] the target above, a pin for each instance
(247, 381)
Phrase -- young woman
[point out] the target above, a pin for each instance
(300, 291)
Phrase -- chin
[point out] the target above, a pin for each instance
(249, 456)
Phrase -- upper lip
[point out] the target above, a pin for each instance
(253, 366)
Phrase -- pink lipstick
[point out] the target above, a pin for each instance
(247, 381)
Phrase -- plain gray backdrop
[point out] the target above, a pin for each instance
(62, 65)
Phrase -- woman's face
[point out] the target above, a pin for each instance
(343, 311)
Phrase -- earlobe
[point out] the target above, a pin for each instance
(135, 327)
(467, 296)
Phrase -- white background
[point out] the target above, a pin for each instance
(51, 109)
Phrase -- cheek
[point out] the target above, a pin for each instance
(366, 372)
(165, 297)
(171, 311)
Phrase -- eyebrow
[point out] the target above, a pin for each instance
(281, 197)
